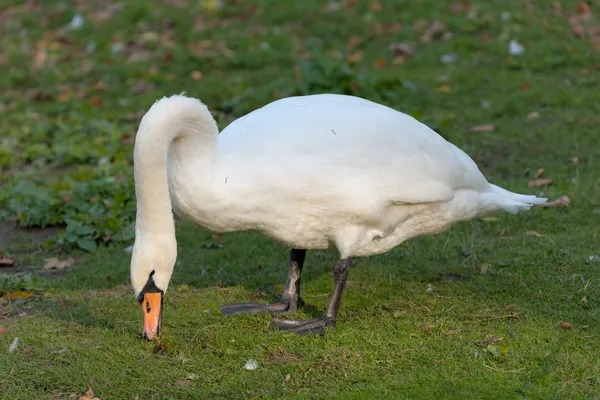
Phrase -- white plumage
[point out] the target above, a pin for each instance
(313, 172)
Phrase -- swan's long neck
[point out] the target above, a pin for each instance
(175, 131)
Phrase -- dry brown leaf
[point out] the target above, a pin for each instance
(483, 128)
(55, 263)
(350, 3)
(538, 183)
(142, 87)
(583, 8)
(434, 31)
(534, 233)
(288, 377)
(39, 59)
(511, 307)
(565, 325)
(1, 329)
(379, 64)
(457, 7)
(375, 6)
(6, 262)
(526, 86)
(401, 49)
(563, 201)
(89, 395)
(353, 41)
(539, 173)
(577, 29)
(96, 101)
(444, 89)
(356, 56)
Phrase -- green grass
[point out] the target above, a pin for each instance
(65, 161)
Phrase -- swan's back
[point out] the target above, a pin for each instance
(336, 142)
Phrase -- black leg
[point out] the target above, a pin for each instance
(340, 274)
(291, 294)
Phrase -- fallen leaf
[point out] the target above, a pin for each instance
(142, 87)
(483, 128)
(526, 86)
(511, 306)
(539, 173)
(1, 329)
(288, 377)
(565, 325)
(489, 339)
(96, 101)
(379, 64)
(534, 233)
(6, 262)
(444, 89)
(538, 183)
(19, 295)
(375, 6)
(583, 8)
(55, 263)
(563, 201)
(434, 31)
(457, 7)
(533, 115)
(577, 29)
(353, 41)
(39, 59)
(355, 57)
(401, 49)
(89, 395)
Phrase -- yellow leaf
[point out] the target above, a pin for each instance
(17, 295)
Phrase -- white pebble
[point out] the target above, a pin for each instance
(515, 48)
(77, 22)
(14, 345)
(251, 365)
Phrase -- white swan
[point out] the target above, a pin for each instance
(312, 172)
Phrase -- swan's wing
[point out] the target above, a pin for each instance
(348, 148)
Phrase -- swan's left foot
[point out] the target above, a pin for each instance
(291, 294)
(251, 308)
(303, 326)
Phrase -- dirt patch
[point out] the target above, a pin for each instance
(283, 357)
(21, 242)
(11, 234)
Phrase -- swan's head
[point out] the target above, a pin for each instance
(152, 263)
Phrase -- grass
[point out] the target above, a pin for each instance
(474, 312)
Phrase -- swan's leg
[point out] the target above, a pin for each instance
(340, 274)
(291, 294)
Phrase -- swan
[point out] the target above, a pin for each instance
(314, 172)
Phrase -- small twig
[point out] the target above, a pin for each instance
(514, 371)
(494, 318)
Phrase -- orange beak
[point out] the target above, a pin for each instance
(152, 307)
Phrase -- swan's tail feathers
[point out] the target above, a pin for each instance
(514, 202)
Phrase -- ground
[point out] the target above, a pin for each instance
(499, 308)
